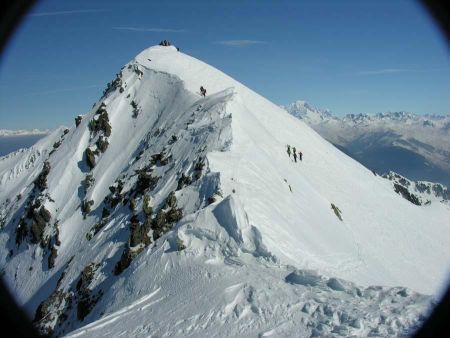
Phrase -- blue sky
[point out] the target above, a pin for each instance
(347, 56)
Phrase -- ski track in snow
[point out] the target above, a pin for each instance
(121, 314)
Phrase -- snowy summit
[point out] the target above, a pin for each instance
(166, 211)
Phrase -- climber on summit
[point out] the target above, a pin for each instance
(300, 155)
(289, 150)
(202, 91)
(165, 43)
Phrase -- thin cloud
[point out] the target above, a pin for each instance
(383, 71)
(156, 30)
(240, 43)
(398, 70)
(76, 11)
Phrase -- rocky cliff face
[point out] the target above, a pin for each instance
(419, 193)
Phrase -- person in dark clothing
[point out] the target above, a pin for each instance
(295, 156)
(202, 91)
(164, 43)
(289, 150)
(300, 155)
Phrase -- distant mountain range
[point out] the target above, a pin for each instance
(23, 132)
(416, 146)
(12, 140)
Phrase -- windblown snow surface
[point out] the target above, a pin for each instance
(258, 252)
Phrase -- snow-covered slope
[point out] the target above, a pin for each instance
(165, 212)
(414, 145)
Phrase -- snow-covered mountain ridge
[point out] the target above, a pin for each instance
(416, 146)
(164, 212)
(14, 140)
(311, 114)
(419, 193)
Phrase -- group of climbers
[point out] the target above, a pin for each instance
(165, 43)
(294, 153)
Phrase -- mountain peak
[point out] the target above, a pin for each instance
(193, 72)
(160, 186)
(303, 110)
